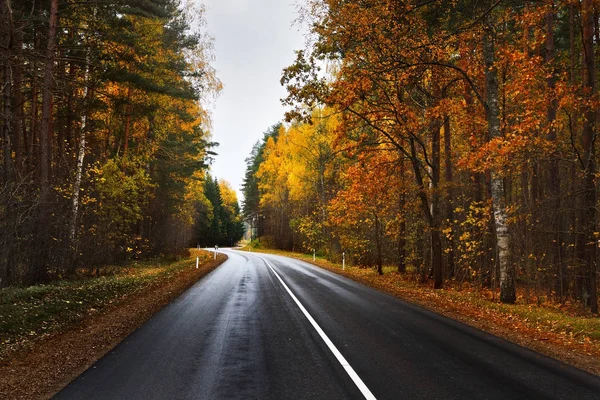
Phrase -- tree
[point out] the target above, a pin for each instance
(234, 225)
(362, 213)
(120, 85)
(250, 206)
(504, 77)
(218, 219)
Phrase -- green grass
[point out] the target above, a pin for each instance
(29, 312)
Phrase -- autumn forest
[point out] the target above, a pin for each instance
(105, 137)
(454, 140)
(299, 198)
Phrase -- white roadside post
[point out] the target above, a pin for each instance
(216, 247)
(314, 254)
(344, 261)
(197, 261)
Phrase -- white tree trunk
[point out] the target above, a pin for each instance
(507, 276)
(80, 158)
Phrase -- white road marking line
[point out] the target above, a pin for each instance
(349, 370)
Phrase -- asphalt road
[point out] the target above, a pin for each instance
(239, 334)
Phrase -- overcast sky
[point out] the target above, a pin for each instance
(254, 41)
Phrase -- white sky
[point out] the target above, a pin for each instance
(254, 41)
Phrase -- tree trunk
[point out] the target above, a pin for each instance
(450, 194)
(79, 171)
(127, 127)
(572, 43)
(402, 229)
(436, 214)
(19, 119)
(38, 271)
(507, 276)
(436, 263)
(46, 127)
(378, 246)
(588, 139)
(70, 117)
(578, 251)
(7, 33)
(7, 122)
(33, 156)
(553, 182)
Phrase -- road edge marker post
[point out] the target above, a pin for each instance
(343, 261)
(197, 261)
(314, 255)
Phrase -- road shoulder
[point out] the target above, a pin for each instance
(51, 363)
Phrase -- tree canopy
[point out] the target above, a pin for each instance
(105, 133)
(454, 139)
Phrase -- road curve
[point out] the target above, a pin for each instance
(238, 333)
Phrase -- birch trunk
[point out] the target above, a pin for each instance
(507, 276)
(79, 171)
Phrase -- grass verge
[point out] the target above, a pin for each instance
(52, 333)
(560, 331)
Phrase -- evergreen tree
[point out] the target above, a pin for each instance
(251, 203)
(218, 219)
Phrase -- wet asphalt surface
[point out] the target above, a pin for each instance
(237, 334)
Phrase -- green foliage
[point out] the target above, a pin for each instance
(120, 198)
(128, 96)
(40, 309)
(251, 205)
(218, 220)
